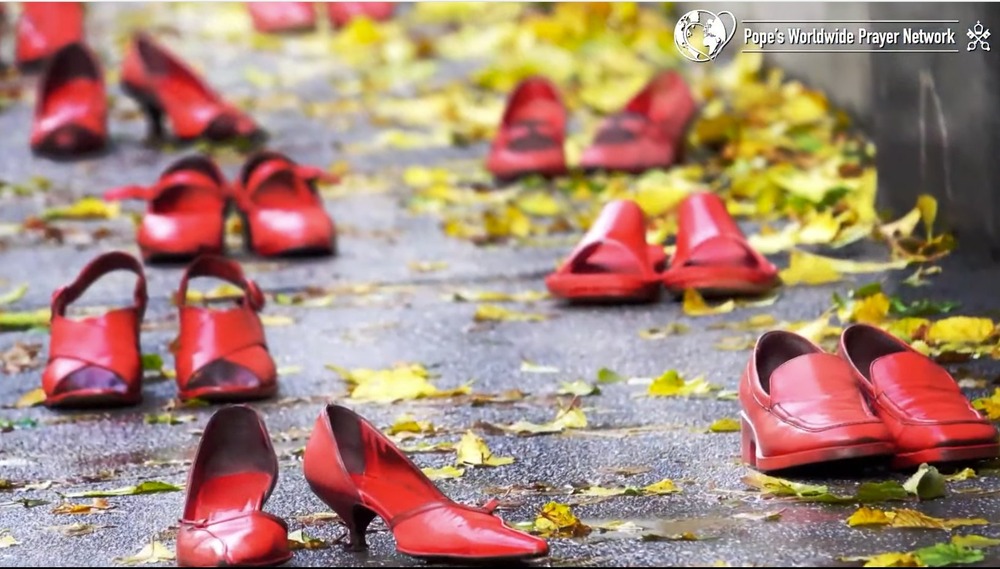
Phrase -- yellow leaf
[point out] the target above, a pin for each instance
(725, 425)
(31, 398)
(964, 474)
(224, 291)
(300, 540)
(427, 266)
(472, 451)
(820, 230)
(671, 384)
(14, 295)
(153, 552)
(665, 486)
(960, 330)
(871, 310)
(695, 305)
(902, 227)
(407, 424)
(908, 329)
(7, 540)
(905, 518)
(97, 505)
(85, 208)
(572, 418)
(927, 206)
(276, 320)
(444, 473)
(402, 382)
(557, 520)
(541, 204)
(532, 367)
(493, 296)
(420, 177)
(894, 560)
(866, 516)
(488, 312)
(806, 268)
(806, 107)
(989, 406)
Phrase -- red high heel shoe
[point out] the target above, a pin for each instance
(71, 111)
(222, 354)
(341, 13)
(44, 28)
(277, 17)
(283, 213)
(96, 361)
(233, 475)
(186, 213)
(532, 133)
(163, 84)
(359, 473)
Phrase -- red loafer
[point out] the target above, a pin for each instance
(532, 133)
(341, 13)
(803, 406)
(44, 28)
(186, 212)
(929, 417)
(71, 110)
(361, 474)
(278, 17)
(95, 361)
(233, 475)
(222, 354)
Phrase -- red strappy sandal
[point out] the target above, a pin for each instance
(613, 261)
(341, 13)
(282, 17)
(712, 254)
(96, 361)
(44, 28)
(532, 133)
(222, 354)
(71, 109)
(186, 213)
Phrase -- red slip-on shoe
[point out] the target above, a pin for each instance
(613, 261)
(278, 17)
(532, 133)
(44, 28)
(71, 109)
(929, 417)
(283, 213)
(803, 406)
(361, 474)
(712, 254)
(233, 475)
(186, 212)
(96, 361)
(341, 13)
(648, 133)
(163, 84)
(222, 354)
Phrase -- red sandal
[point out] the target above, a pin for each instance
(71, 109)
(96, 361)
(532, 133)
(44, 28)
(280, 17)
(341, 13)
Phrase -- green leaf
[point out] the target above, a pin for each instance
(147, 487)
(867, 290)
(14, 295)
(888, 491)
(943, 554)
(923, 307)
(974, 541)
(152, 362)
(605, 375)
(927, 483)
(725, 425)
(25, 320)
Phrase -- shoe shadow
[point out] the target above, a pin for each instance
(841, 469)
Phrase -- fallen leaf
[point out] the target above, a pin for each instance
(665, 486)
(491, 296)
(894, 559)
(760, 517)
(694, 305)
(672, 329)
(989, 406)
(7, 540)
(725, 425)
(152, 552)
(961, 330)
(964, 474)
(493, 312)
(927, 483)
(98, 505)
(20, 357)
(605, 375)
(943, 554)
(74, 530)
(671, 384)
(85, 208)
(147, 487)
(25, 320)
(472, 451)
(531, 367)
(443, 473)
(974, 541)
(572, 418)
(408, 424)
(403, 382)
(276, 320)
(167, 419)
(557, 520)
(812, 269)
(906, 518)
(579, 388)
(866, 516)
(871, 309)
(300, 540)
(427, 266)
(686, 536)
(14, 295)
(30, 399)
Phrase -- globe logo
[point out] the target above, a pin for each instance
(715, 34)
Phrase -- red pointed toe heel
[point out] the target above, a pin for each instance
(360, 473)
(232, 476)
(341, 13)
(96, 361)
(44, 28)
(282, 17)
(532, 133)
(71, 112)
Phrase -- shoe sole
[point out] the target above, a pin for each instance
(808, 457)
(946, 454)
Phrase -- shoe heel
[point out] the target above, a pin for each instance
(748, 447)
(355, 517)
(150, 107)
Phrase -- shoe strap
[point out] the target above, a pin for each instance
(226, 270)
(102, 265)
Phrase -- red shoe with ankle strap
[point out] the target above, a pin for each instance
(163, 84)
(928, 415)
(96, 361)
(222, 354)
(341, 13)
(186, 212)
(280, 17)
(71, 109)
(44, 28)
(233, 475)
(283, 213)
(359, 473)
(532, 133)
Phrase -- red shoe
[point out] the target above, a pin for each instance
(648, 133)
(713, 255)
(359, 473)
(613, 261)
(802, 406)
(283, 213)
(921, 404)
(341, 13)
(186, 213)
(95, 361)
(46, 27)
(71, 109)
(222, 354)
(162, 83)
(532, 133)
(277, 17)
(233, 475)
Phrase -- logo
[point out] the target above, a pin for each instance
(715, 34)
(978, 34)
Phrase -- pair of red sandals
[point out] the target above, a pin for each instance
(285, 17)
(614, 262)
(353, 468)
(281, 209)
(646, 134)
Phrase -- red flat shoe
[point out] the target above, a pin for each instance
(96, 361)
(802, 406)
(712, 254)
(186, 212)
(71, 110)
(44, 28)
(163, 84)
(283, 213)
(361, 474)
(648, 133)
(613, 261)
(341, 13)
(921, 404)
(233, 475)
(532, 133)
(222, 354)
(278, 17)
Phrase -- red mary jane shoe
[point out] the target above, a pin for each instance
(278, 17)
(71, 110)
(532, 133)
(95, 361)
(341, 13)
(359, 473)
(233, 475)
(46, 27)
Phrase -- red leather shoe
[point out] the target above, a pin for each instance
(929, 417)
(95, 361)
(278, 17)
(713, 255)
(71, 110)
(359, 473)
(802, 406)
(532, 133)
(341, 13)
(222, 354)
(648, 133)
(282, 211)
(163, 84)
(186, 212)
(46, 27)
(233, 475)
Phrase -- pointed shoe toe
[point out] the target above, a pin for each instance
(255, 539)
(458, 532)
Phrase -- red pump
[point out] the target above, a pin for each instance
(44, 28)
(71, 109)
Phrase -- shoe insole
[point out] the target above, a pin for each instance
(228, 495)
(188, 199)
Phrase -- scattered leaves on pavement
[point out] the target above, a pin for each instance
(964, 474)
(867, 492)
(147, 487)
(605, 375)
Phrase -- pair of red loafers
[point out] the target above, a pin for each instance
(647, 133)
(282, 211)
(284, 17)
(221, 355)
(352, 467)
(876, 398)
